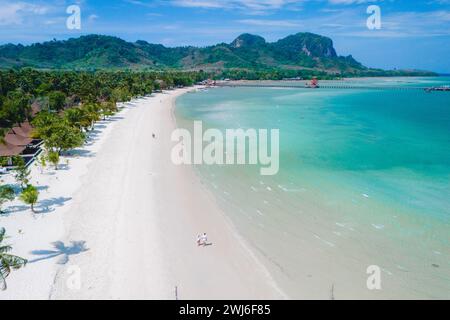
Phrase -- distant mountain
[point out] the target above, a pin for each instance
(302, 51)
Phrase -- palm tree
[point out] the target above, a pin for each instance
(6, 194)
(53, 157)
(22, 174)
(30, 196)
(8, 262)
(2, 135)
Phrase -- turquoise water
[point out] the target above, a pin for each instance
(364, 180)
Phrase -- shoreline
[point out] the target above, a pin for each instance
(254, 254)
(126, 219)
(317, 237)
(128, 227)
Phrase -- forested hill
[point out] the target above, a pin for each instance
(298, 54)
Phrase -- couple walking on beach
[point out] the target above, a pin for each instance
(202, 240)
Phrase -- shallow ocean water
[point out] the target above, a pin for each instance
(364, 180)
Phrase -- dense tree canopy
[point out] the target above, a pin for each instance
(56, 100)
(79, 98)
(300, 52)
(14, 108)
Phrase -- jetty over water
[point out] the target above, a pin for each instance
(326, 85)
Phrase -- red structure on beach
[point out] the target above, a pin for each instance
(314, 83)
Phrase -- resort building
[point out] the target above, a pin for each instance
(18, 141)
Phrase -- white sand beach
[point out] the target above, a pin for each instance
(127, 219)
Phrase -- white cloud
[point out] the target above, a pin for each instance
(92, 17)
(350, 1)
(270, 23)
(201, 4)
(254, 5)
(14, 13)
(400, 25)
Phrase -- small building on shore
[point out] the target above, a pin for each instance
(208, 83)
(18, 141)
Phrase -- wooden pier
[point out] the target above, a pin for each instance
(327, 86)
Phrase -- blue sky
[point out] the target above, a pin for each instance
(413, 34)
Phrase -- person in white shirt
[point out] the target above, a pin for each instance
(204, 239)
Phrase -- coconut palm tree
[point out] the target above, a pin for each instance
(8, 262)
(22, 173)
(2, 135)
(53, 157)
(6, 194)
(30, 196)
